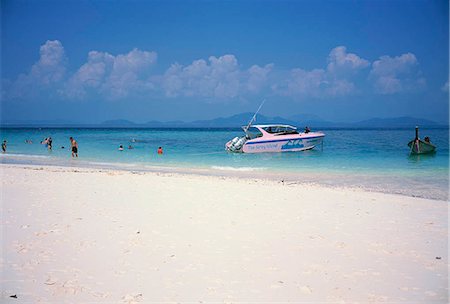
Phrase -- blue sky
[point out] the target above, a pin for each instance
(89, 61)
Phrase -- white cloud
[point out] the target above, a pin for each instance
(304, 82)
(220, 77)
(340, 87)
(335, 80)
(48, 71)
(446, 87)
(51, 65)
(118, 77)
(172, 82)
(92, 74)
(340, 60)
(396, 74)
(258, 77)
(128, 73)
(114, 77)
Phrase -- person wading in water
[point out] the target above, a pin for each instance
(74, 146)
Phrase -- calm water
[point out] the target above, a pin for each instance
(374, 159)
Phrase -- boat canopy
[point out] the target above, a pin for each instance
(276, 129)
(275, 126)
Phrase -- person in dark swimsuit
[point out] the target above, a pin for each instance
(74, 146)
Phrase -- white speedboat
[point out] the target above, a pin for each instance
(274, 138)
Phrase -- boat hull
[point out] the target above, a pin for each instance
(300, 143)
(421, 147)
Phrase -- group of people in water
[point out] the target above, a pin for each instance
(73, 145)
(48, 141)
(160, 150)
(129, 147)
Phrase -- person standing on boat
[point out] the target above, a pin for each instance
(74, 146)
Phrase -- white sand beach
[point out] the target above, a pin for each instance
(108, 236)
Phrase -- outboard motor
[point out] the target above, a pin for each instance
(234, 140)
(236, 144)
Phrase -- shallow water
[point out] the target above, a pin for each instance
(375, 159)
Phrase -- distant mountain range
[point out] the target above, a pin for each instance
(238, 120)
(300, 120)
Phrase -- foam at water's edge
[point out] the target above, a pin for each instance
(241, 169)
(12, 155)
(369, 181)
(112, 164)
(287, 179)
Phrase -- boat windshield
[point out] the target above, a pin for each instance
(280, 130)
(253, 132)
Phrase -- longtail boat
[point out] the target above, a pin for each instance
(419, 146)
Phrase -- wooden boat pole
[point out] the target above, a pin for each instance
(417, 132)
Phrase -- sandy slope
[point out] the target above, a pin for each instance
(80, 235)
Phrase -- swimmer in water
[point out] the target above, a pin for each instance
(160, 150)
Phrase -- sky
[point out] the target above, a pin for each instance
(343, 61)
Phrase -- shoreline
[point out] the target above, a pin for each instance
(92, 235)
(371, 182)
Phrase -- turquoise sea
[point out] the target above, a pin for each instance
(371, 159)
